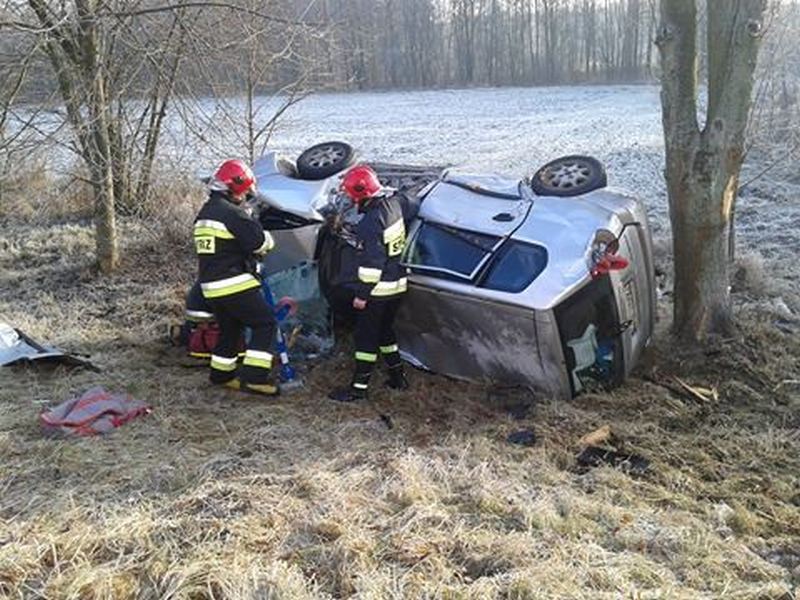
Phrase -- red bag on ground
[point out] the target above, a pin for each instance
(96, 411)
(203, 338)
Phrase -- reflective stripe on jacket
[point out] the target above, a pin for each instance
(226, 239)
(382, 237)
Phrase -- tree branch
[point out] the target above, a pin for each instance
(212, 4)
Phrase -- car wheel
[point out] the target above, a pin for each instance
(569, 176)
(326, 159)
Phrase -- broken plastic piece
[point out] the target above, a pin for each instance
(16, 347)
(585, 350)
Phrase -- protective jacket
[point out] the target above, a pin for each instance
(382, 236)
(226, 239)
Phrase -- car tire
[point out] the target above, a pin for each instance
(569, 176)
(323, 160)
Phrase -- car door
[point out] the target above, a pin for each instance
(462, 316)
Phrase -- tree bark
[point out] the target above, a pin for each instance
(75, 57)
(101, 165)
(702, 165)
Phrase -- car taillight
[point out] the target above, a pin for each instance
(604, 255)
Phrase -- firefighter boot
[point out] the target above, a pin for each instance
(397, 378)
(348, 394)
(360, 382)
(260, 389)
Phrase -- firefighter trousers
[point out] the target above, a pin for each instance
(233, 313)
(375, 334)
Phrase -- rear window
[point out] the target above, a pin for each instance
(515, 267)
(449, 250)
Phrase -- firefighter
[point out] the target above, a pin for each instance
(381, 282)
(228, 241)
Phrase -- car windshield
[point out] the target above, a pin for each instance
(449, 250)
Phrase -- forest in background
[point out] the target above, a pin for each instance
(368, 44)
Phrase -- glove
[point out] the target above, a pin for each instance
(269, 244)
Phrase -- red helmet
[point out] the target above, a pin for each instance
(361, 183)
(235, 177)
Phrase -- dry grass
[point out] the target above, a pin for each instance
(215, 497)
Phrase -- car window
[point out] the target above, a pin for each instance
(449, 250)
(516, 266)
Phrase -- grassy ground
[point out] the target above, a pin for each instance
(215, 497)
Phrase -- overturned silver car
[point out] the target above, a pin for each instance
(544, 282)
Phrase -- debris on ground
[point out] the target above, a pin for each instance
(595, 456)
(96, 411)
(16, 348)
(682, 388)
(524, 437)
(596, 437)
(704, 394)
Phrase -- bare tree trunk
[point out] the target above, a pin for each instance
(81, 82)
(123, 194)
(703, 164)
(100, 167)
(159, 108)
(10, 87)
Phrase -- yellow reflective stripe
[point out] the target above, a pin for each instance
(212, 228)
(258, 354)
(390, 288)
(222, 283)
(366, 357)
(249, 361)
(394, 231)
(369, 275)
(222, 363)
(206, 231)
(269, 243)
(234, 289)
(258, 358)
(389, 349)
(211, 224)
(231, 285)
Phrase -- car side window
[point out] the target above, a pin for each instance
(449, 251)
(516, 266)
